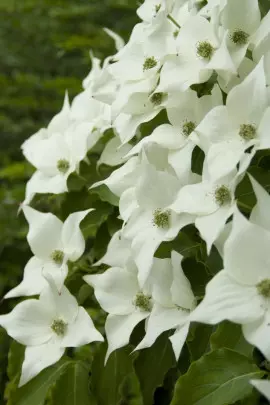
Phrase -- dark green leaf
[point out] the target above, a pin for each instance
(152, 365)
(72, 387)
(94, 219)
(219, 377)
(200, 340)
(230, 335)
(107, 380)
(105, 194)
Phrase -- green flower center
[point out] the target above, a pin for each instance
(223, 195)
(175, 34)
(239, 37)
(63, 165)
(263, 288)
(143, 302)
(57, 256)
(157, 98)
(205, 50)
(59, 327)
(149, 63)
(247, 132)
(188, 127)
(161, 218)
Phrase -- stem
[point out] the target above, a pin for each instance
(243, 205)
(173, 21)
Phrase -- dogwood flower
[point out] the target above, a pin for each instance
(238, 293)
(241, 20)
(53, 243)
(173, 302)
(212, 201)
(228, 131)
(118, 293)
(185, 111)
(47, 326)
(199, 52)
(55, 158)
(149, 220)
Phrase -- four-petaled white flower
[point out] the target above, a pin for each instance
(53, 244)
(119, 293)
(47, 326)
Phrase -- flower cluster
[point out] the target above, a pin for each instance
(200, 71)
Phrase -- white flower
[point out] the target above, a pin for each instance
(135, 103)
(200, 51)
(241, 19)
(53, 243)
(173, 301)
(212, 201)
(118, 292)
(185, 111)
(228, 131)
(56, 157)
(47, 326)
(241, 291)
(145, 208)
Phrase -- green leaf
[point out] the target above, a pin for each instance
(230, 335)
(72, 387)
(197, 275)
(130, 390)
(15, 360)
(35, 391)
(264, 6)
(106, 381)
(75, 182)
(105, 194)
(219, 377)
(152, 365)
(94, 219)
(199, 344)
(4, 344)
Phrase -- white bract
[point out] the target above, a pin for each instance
(47, 326)
(53, 244)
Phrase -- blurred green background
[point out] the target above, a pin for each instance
(44, 50)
